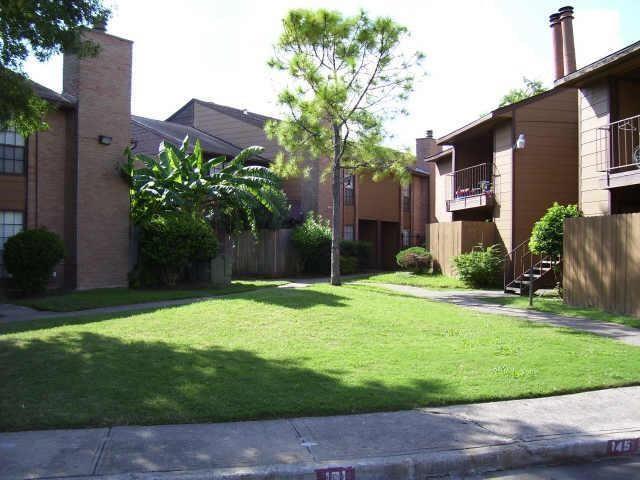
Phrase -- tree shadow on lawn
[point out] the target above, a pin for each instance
(86, 379)
(299, 298)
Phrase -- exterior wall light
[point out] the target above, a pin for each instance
(105, 140)
(521, 142)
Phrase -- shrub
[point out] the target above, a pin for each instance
(312, 239)
(481, 267)
(361, 250)
(547, 234)
(168, 244)
(30, 257)
(416, 259)
(348, 264)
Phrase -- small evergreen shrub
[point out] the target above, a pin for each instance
(547, 235)
(361, 250)
(481, 267)
(416, 259)
(312, 240)
(168, 244)
(348, 265)
(30, 257)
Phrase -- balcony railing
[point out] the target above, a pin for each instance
(618, 146)
(470, 187)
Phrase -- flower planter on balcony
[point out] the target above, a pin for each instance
(476, 200)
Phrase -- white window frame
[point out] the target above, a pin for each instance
(11, 222)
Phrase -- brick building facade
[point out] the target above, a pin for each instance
(65, 178)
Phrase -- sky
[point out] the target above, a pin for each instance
(476, 50)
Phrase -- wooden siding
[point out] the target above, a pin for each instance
(602, 262)
(442, 168)
(378, 200)
(594, 104)
(546, 170)
(271, 254)
(474, 152)
(184, 115)
(503, 183)
(448, 239)
(242, 134)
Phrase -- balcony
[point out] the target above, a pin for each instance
(470, 187)
(618, 152)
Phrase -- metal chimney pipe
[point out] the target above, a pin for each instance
(558, 53)
(568, 45)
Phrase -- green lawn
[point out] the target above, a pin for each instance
(275, 353)
(426, 280)
(109, 297)
(556, 305)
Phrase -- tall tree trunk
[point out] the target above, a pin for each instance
(336, 212)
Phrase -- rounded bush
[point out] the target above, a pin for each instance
(416, 259)
(312, 240)
(361, 250)
(30, 257)
(481, 267)
(547, 235)
(348, 265)
(168, 244)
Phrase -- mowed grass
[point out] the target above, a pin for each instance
(557, 306)
(426, 280)
(274, 353)
(110, 297)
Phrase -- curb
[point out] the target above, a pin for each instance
(552, 450)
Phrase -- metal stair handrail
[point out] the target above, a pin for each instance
(520, 262)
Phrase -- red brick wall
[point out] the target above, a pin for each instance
(102, 86)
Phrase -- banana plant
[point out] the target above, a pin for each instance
(228, 193)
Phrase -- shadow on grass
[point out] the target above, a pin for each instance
(86, 379)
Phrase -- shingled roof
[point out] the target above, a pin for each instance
(175, 133)
(51, 95)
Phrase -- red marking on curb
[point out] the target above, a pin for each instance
(336, 473)
(622, 447)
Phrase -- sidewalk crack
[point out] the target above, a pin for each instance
(305, 442)
(100, 452)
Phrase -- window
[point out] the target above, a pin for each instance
(406, 238)
(406, 198)
(10, 224)
(348, 189)
(348, 233)
(11, 152)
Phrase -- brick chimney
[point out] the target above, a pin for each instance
(425, 147)
(102, 88)
(568, 46)
(558, 55)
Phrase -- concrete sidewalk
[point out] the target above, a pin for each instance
(464, 439)
(474, 299)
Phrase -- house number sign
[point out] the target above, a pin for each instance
(336, 473)
(622, 447)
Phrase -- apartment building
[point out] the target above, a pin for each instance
(65, 178)
(376, 211)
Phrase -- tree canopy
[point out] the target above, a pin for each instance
(530, 88)
(345, 76)
(40, 28)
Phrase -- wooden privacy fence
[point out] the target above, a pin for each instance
(602, 263)
(448, 239)
(271, 254)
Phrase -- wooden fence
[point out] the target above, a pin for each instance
(602, 263)
(448, 239)
(269, 255)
